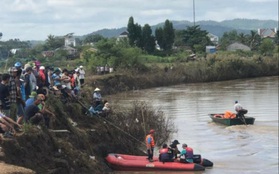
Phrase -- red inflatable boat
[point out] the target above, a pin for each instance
(140, 163)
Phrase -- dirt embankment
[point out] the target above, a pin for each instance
(74, 148)
(11, 169)
(81, 148)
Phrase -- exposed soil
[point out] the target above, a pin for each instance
(11, 169)
(81, 149)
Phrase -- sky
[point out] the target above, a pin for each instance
(36, 19)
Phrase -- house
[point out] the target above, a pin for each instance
(15, 50)
(70, 40)
(238, 46)
(267, 32)
(214, 39)
(122, 36)
(70, 50)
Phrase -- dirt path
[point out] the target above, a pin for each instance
(11, 169)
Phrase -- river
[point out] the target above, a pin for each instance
(251, 149)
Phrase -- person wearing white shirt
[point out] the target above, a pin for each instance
(239, 109)
(81, 75)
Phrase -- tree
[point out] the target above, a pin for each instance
(138, 42)
(242, 38)
(159, 35)
(165, 36)
(53, 42)
(267, 46)
(93, 38)
(228, 38)
(131, 28)
(135, 33)
(168, 35)
(148, 39)
(276, 40)
(254, 40)
(195, 36)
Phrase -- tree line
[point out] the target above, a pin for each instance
(160, 45)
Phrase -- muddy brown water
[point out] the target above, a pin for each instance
(251, 149)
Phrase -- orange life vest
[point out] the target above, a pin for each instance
(152, 143)
(165, 150)
(229, 114)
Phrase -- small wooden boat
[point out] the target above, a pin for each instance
(231, 121)
(125, 162)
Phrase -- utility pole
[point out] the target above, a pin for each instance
(194, 12)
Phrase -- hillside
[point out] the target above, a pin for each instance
(216, 28)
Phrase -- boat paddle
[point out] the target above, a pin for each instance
(242, 118)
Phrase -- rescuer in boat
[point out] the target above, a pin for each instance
(187, 154)
(150, 143)
(174, 149)
(239, 110)
(165, 154)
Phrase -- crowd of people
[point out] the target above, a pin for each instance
(24, 89)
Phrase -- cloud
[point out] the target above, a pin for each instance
(35, 19)
(155, 12)
(262, 1)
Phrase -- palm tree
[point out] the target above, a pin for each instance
(254, 40)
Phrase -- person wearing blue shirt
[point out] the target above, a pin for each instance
(31, 99)
(56, 77)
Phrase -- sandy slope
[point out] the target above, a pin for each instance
(11, 169)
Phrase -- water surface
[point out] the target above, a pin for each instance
(248, 149)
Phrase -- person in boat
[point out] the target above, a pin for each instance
(150, 144)
(174, 149)
(187, 154)
(165, 154)
(239, 110)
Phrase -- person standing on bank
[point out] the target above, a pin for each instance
(4, 94)
(150, 144)
(81, 75)
(97, 97)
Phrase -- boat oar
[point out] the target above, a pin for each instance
(242, 118)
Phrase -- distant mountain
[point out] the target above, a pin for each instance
(216, 28)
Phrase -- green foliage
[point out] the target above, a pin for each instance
(165, 36)
(135, 33)
(129, 59)
(53, 42)
(147, 39)
(132, 31)
(93, 38)
(27, 128)
(267, 47)
(252, 40)
(195, 36)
